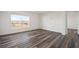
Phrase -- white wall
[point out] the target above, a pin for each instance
(72, 18)
(5, 25)
(0, 23)
(54, 21)
(78, 23)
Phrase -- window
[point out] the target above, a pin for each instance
(19, 21)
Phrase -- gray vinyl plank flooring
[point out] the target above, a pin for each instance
(36, 39)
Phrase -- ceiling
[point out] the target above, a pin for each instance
(39, 12)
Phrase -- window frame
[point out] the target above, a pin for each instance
(20, 27)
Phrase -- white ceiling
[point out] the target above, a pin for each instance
(39, 12)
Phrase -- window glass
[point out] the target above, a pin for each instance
(19, 21)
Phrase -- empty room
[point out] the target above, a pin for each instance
(39, 29)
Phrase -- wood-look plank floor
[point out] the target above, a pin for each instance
(36, 39)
